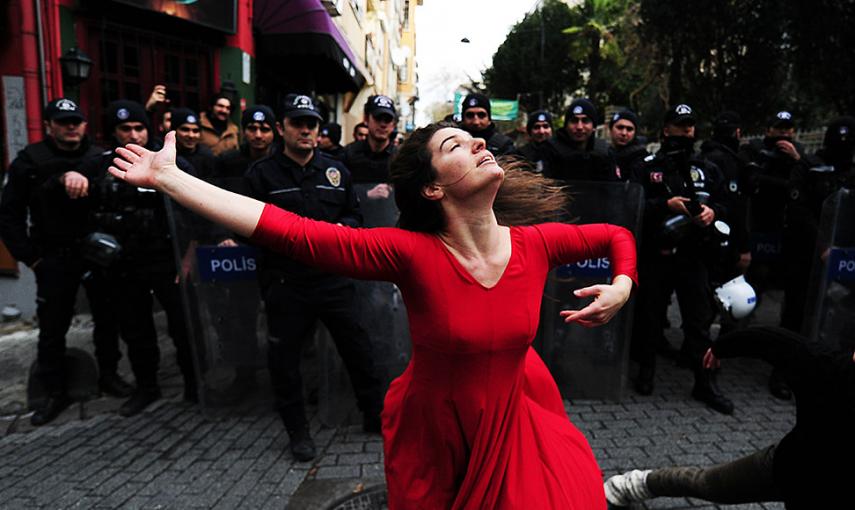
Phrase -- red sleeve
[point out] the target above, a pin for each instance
(566, 244)
(369, 254)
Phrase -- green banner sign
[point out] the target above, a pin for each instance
(500, 109)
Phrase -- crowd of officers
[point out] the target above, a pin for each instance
(67, 218)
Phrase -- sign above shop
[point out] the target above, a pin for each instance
(216, 14)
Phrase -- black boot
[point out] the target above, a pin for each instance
(778, 386)
(302, 446)
(112, 384)
(644, 382)
(141, 399)
(53, 406)
(706, 391)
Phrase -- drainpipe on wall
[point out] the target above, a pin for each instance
(35, 91)
(41, 41)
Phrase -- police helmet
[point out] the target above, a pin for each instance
(736, 298)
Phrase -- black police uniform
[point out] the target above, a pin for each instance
(137, 218)
(57, 225)
(675, 260)
(201, 159)
(335, 152)
(497, 143)
(538, 154)
(767, 185)
(296, 295)
(724, 154)
(593, 163)
(365, 165)
(628, 158)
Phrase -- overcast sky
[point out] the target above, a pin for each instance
(444, 61)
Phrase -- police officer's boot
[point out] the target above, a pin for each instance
(706, 391)
(302, 446)
(644, 382)
(53, 406)
(142, 398)
(778, 386)
(112, 384)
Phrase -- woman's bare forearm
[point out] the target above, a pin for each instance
(238, 213)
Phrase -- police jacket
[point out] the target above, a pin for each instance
(322, 190)
(732, 166)
(229, 173)
(56, 222)
(336, 152)
(497, 143)
(593, 163)
(538, 154)
(768, 182)
(812, 183)
(202, 160)
(628, 157)
(136, 217)
(366, 165)
(664, 176)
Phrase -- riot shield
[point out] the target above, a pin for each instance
(222, 305)
(589, 362)
(830, 305)
(384, 318)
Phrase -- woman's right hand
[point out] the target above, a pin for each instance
(142, 167)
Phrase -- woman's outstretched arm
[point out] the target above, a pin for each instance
(373, 254)
(157, 170)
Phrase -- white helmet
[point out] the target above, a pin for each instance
(736, 298)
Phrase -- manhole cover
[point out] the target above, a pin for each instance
(370, 499)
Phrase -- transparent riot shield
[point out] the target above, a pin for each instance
(222, 305)
(830, 305)
(381, 307)
(589, 362)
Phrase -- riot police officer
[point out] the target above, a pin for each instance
(723, 151)
(302, 180)
(145, 266)
(682, 203)
(578, 154)
(329, 141)
(368, 159)
(45, 184)
(538, 150)
(626, 149)
(258, 124)
(829, 170)
(772, 161)
(188, 136)
(478, 122)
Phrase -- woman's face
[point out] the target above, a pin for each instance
(463, 164)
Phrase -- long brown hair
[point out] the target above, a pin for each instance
(524, 198)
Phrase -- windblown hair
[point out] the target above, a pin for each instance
(524, 198)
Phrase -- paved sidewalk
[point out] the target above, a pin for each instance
(174, 456)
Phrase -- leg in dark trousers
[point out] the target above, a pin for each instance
(746, 480)
(168, 294)
(648, 326)
(132, 296)
(57, 280)
(105, 331)
(290, 320)
(336, 311)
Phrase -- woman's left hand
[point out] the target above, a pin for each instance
(608, 299)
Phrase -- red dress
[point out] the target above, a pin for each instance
(476, 420)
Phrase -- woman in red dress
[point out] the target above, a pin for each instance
(476, 420)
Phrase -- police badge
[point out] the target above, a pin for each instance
(334, 176)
